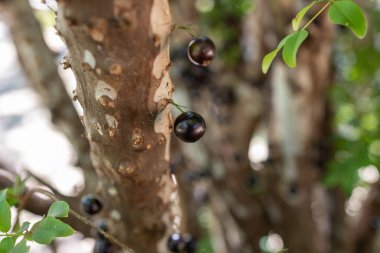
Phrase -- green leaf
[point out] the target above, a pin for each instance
(349, 14)
(45, 231)
(59, 209)
(5, 212)
(25, 225)
(21, 247)
(296, 22)
(292, 44)
(268, 59)
(7, 244)
(15, 193)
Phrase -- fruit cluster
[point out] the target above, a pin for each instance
(190, 126)
(91, 205)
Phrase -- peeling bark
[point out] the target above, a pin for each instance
(119, 54)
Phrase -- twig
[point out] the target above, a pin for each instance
(75, 214)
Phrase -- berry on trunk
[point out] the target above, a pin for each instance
(176, 243)
(103, 225)
(103, 246)
(90, 204)
(189, 126)
(201, 51)
(190, 243)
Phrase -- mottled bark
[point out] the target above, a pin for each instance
(118, 51)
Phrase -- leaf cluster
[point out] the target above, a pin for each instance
(14, 240)
(341, 12)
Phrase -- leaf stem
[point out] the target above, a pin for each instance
(316, 15)
(14, 234)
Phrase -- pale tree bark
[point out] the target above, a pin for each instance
(39, 65)
(118, 51)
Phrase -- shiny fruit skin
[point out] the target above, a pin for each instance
(201, 51)
(189, 126)
(176, 243)
(90, 204)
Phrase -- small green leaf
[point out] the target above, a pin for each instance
(5, 212)
(21, 247)
(296, 22)
(59, 209)
(268, 59)
(14, 194)
(349, 14)
(292, 44)
(7, 244)
(25, 225)
(45, 231)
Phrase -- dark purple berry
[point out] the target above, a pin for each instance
(201, 51)
(190, 243)
(103, 225)
(176, 243)
(90, 204)
(103, 246)
(189, 126)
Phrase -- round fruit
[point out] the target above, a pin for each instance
(201, 51)
(176, 243)
(190, 243)
(103, 246)
(189, 126)
(103, 225)
(90, 204)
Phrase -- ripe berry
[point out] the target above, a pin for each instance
(103, 225)
(190, 243)
(103, 246)
(90, 204)
(189, 126)
(176, 243)
(201, 51)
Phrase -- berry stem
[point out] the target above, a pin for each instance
(186, 28)
(177, 105)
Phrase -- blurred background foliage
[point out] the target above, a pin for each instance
(355, 97)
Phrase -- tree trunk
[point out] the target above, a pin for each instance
(118, 51)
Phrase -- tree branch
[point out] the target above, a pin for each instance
(39, 65)
(40, 205)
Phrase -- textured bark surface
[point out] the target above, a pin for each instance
(118, 51)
